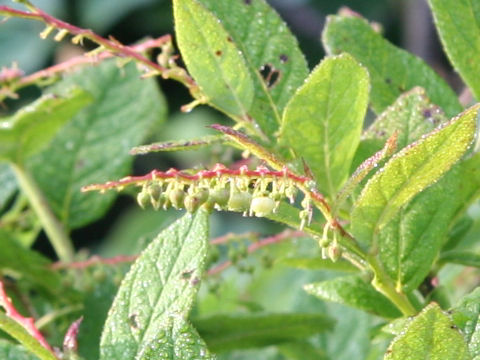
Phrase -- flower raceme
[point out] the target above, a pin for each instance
(254, 192)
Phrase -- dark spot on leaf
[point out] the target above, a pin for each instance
(229, 39)
(218, 52)
(187, 274)
(247, 2)
(454, 327)
(401, 88)
(270, 75)
(388, 80)
(132, 321)
(283, 58)
(79, 164)
(427, 113)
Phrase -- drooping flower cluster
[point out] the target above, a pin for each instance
(253, 192)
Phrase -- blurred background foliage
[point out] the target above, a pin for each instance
(126, 229)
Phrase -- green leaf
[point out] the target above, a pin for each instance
(409, 172)
(9, 184)
(327, 114)
(270, 51)
(426, 219)
(16, 331)
(178, 145)
(462, 257)
(392, 70)
(411, 116)
(430, 335)
(470, 189)
(409, 244)
(10, 351)
(466, 315)
(178, 340)
(223, 332)
(94, 146)
(213, 59)
(364, 169)
(29, 265)
(156, 295)
(355, 292)
(457, 23)
(31, 128)
(301, 350)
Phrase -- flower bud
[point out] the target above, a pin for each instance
(193, 201)
(219, 197)
(143, 199)
(156, 196)
(334, 252)
(262, 206)
(176, 197)
(239, 201)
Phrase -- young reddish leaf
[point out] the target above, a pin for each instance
(23, 329)
(365, 167)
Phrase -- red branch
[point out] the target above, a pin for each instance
(94, 260)
(70, 342)
(218, 171)
(27, 323)
(110, 44)
(275, 239)
(82, 60)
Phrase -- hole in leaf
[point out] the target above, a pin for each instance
(270, 75)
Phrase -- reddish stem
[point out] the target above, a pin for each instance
(81, 60)
(219, 170)
(93, 261)
(70, 342)
(27, 322)
(110, 44)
